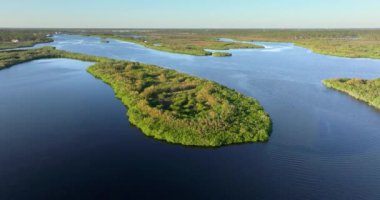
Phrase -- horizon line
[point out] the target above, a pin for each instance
(189, 28)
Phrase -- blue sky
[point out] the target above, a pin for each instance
(190, 13)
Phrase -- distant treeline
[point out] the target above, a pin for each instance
(355, 43)
(13, 38)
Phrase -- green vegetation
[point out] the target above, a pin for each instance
(168, 105)
(355, 43)
(186, 42)
(364, 90)
(10, 58)
(221, 54)
(15, 38)
(182, 109)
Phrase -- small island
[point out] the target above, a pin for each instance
(168, 105)
(104, 41)
(364, 90)
(221, 54)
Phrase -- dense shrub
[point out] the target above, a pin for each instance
(364, 90)
(221, 54)
(178, 108)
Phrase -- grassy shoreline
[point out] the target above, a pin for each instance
(168, 105)
(195, 46)
(367, 91)
(351, 43)
(24, 44)
(11, 58)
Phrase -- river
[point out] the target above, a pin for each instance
(65, 136)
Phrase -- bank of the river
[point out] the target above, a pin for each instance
(364, 90)
(10, 46)
(10, 58)
(354, 43)
(192, 46)
(350, 43)
(168, 105)
(339, 48)
(10, 39)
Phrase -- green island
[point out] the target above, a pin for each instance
(14, 38)
(104, 40)
(221, 54)
(168, 105)
(364, 90)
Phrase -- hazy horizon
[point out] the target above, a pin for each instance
(126, 28)
(197, 14)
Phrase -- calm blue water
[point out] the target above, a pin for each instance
(64, 135)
